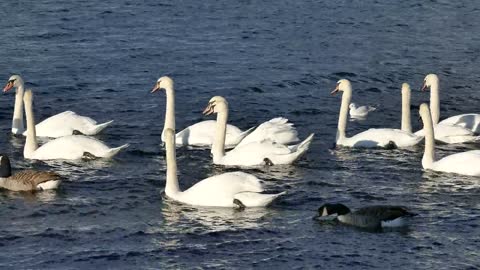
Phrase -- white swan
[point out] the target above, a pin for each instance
(450, 132)
(253, 153)
(456, 129)
(59, 125)
(224, 190)
(360, 111)
(67, 147)
(203, 133)
(466, 163)
(374, 137)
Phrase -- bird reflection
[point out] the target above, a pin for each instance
(181, 218)
(434, 182)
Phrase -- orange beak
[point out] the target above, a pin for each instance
(424, 87)
(208, 110)
(155, 88)
(335, 90)
(8, 86)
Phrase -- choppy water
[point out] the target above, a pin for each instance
(100, 58)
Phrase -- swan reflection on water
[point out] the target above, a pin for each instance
(187, 219)
(440, 182)
(39, 196)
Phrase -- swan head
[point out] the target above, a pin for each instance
(352, 106)
(336, 209)
(424, 111)
(430, 79)
(13, 81)
(5, 169)
(342, 85)
(405, 88)
(164, 82)
(215, 105)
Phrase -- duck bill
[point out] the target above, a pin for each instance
(7, 87)
(208, 110)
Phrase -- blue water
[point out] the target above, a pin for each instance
(268, 58)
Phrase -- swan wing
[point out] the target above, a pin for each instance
(254, 153)
(380, 137)
(450, 133)
(278, 130)
(462, 163)
(203, 134)
(470, 121)
(220, 190)
(63, 124)
(71, 147)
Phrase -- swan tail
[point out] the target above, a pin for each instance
(98, 128)
(253, 199)
(113, 151)
(245, 133)
(306, 143)
(371, 109)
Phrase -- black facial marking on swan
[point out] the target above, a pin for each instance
(391, 145)
(87, 155)
(268, 162)
(240, 205)
(77, 132)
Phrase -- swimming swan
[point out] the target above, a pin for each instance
(371, 217)
(466, 163)
(26, 180)
(223, 190)
(456, 129)
(374, 137)
(253, 153)
(67, 147)
(59, 125)
(203, 133)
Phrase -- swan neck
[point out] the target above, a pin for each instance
(18, 126)
(218, 146)
(435, 102)
(429, 154)
(31, 141)
(342, 119)
(406, 121)
(171, 187)
(170, 109)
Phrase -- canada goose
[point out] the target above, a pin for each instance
(372, 217)
(26, 180)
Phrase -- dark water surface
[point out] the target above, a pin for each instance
(277, 58)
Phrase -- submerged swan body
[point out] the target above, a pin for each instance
(26, 180)
(466, 163)
(252, 153)
(233, 189)
(67, 147)
(62, 124)
(203, 133)
(374, 137)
